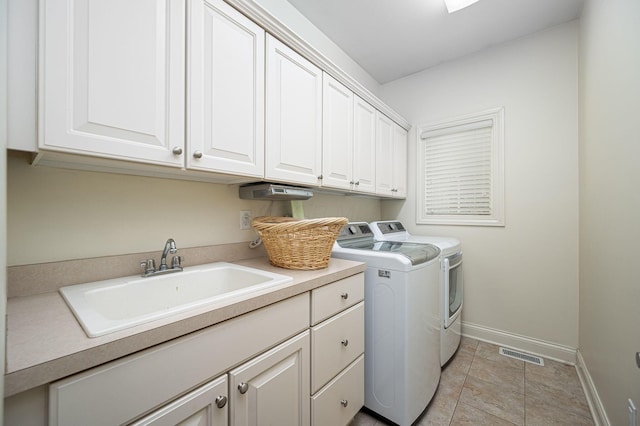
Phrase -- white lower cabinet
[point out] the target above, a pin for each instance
(205, 406)
(271, 389)
(267, 367)
(337, 352)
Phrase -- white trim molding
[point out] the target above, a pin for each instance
(596, 406)
(530, 345)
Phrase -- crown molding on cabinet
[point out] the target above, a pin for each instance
(279, 30)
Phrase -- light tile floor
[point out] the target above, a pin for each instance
(481, 387)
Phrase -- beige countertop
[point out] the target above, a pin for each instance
(45, 342)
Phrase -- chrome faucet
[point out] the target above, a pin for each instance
(149, 266)
(170, 246)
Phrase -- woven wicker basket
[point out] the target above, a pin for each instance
(299, 243)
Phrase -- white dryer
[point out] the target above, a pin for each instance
(451, 280)
(402, 328)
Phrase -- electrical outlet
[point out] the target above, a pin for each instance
(633, 414)
(245, 219)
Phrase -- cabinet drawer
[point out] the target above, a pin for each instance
(121, 390)
(339, 401)
(335, 343)
(333, 298)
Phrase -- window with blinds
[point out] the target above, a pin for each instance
(461, 171)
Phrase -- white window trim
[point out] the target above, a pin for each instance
(497, 217)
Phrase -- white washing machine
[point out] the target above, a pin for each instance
(402, 327)
(451, 280)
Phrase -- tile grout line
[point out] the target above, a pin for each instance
(466, 375)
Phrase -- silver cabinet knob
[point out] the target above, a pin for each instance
(357, 183)
(320, 177)
(221, 401)
(344, 402)
(177, 150)
(345, 342)
(243, 388)
(345, 295)
(197, 154)
(351, 182)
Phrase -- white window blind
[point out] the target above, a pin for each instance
(461, 172)
(458, 170)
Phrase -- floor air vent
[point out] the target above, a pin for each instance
(522, 356)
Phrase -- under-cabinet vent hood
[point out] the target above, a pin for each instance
(274, 191)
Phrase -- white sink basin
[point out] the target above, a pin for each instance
(103, 307)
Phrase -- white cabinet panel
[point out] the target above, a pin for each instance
(348, 139)
(226, 90)
(335, 343)
(273, 388)
(364, 146)
(399, 161)
(294, 116)
(391, 158)
(330, 299)
(384, 155)
(205, 406)
(112, 78)
(337, 134)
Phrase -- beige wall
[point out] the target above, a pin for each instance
(522, 278)
(610, 200)
(56, 214)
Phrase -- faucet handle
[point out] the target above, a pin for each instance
(149, 266)
(175, 262)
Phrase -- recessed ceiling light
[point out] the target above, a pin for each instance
(455, 5)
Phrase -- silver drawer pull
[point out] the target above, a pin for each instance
(344, 402)
(345, 295)
(221, 401)
(243, 388)
(345, 342)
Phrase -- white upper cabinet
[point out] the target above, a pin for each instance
(337, 134)
(348, 139)
(364, 146)
(225, 114)
(294, 116)
(391, 158)
(112, 78)
(384, 155)
(399, 162)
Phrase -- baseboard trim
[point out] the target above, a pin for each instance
(593, 399)
(541, 348)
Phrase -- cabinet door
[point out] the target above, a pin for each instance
(337, 134)
(384, 154)
(399, 161)
(226, 90)
(112, 78)
(273, 388)
(205, 406)
(364, 146)
(294, 116)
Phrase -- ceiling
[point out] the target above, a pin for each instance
(391, 39)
